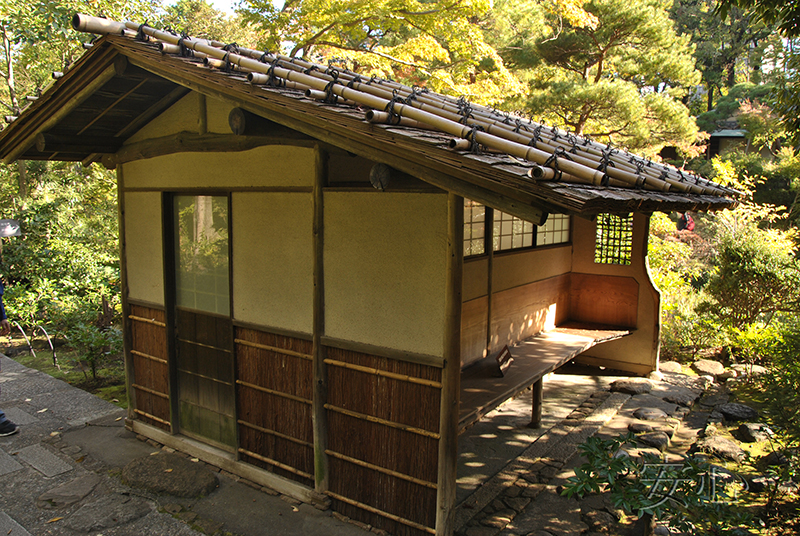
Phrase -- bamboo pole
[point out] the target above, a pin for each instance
(275, 463)
(384, 373)
(268, 391)
(150, 357)
(275, 349)
(378, 420)
(378, 468)
(374, 510)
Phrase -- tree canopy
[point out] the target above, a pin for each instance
(435, 43)
(619, 78)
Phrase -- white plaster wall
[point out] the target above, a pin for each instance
(143, 243)
(385, 262)
(272, 245)
(269, 166)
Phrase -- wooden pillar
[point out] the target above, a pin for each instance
(451, 373)
(123, 276)
(202, 117)
(320, 387)
(488, 236)
(170, 285)
(536, 409)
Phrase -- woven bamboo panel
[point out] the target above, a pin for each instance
(383, 440)
(150, 370)
(274, 403)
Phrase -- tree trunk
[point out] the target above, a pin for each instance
(710, 95)
(22, 179)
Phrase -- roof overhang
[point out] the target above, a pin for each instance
(120, 85)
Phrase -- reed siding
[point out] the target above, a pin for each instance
(144, 247)
(273, 259)
(388, 468)
(268, 166)
(385, 269)
(148, 353)
(273, 392)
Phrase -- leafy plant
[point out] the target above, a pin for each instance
(96, 344)
(678, 494)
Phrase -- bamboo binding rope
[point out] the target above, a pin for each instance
(490, 133)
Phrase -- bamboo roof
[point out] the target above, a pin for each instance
(134, 73)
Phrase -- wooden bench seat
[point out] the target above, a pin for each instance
(482, 391)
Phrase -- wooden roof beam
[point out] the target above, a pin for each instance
(64, 110)
(54, 143)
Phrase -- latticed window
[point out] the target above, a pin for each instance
(554, 231)
(474, 228)
(511, 232)
(614, 239)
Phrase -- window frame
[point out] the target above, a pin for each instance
(489, 236)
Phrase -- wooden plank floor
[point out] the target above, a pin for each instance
(482, 390)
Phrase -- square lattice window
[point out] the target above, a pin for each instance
(614, 240)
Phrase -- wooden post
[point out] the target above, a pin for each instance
(168, 233)
(123, 275)
(202, 114)
(320, 387)
(488, 241)
(451, 373)
(536, 410)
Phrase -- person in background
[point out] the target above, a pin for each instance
(685, 222)
(7, 228)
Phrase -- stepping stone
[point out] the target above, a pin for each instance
(8, 464)
(650, 414)
(43, 460)
(639, 427)
(726, 375)
(650, 401)
(737, 412)
(657, 440)
(749, 370)
(753, 432)
(171, 474)
(721, 447)
(670, 366)
(68, 493)
(631, 386)
(708, 367)
(9, 527)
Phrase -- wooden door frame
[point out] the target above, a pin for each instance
(170, 297)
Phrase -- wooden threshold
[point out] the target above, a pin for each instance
(482, 390)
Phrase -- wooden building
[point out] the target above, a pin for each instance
(303, 290)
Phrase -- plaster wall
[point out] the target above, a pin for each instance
(385, 269)
(268, 166)
(184, 116)
(273, 259)
(143, 246)
(638, 352)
